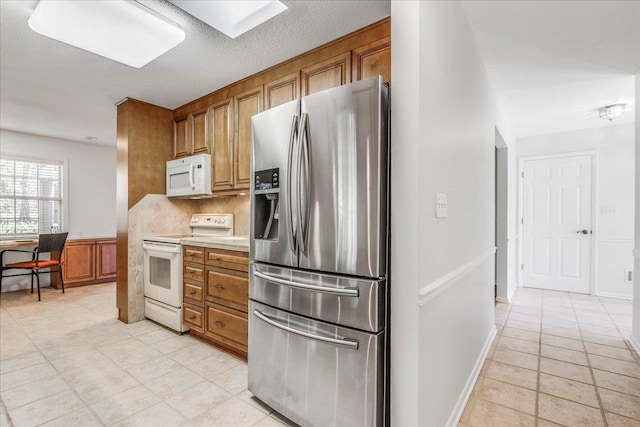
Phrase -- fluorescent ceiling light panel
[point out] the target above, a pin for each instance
(231, 17)
(120, 30)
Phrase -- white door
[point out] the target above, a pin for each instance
(557, 224)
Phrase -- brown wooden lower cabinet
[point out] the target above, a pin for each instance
(87, 261)
(215, 303)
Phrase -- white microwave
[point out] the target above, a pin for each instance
(189, 176)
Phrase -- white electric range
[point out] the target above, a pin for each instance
(163, 265)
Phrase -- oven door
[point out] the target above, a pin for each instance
(162, 273)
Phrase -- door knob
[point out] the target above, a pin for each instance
(583, 231)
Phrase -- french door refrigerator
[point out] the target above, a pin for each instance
(318, 276)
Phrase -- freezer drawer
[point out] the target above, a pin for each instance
(314, 373)
(356, 303)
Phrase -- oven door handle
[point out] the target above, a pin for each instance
(170, 249)
(347, 292)
(343, 342)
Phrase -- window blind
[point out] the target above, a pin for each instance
(30, 197)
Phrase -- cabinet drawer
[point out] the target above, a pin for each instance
(193, 272)
(226, 323)
(231, 260)
(228, 287)
(193, 254)
(193, 293)
(194, 317)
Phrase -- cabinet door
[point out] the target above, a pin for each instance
(221, 137)
(333, 72)
(106, 259)
(372, 59)
(181, 140)
(79, 262)
(246, 105)
(200, 142)
(282, 90)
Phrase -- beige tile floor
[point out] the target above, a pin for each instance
(67, 361)
(558, 359)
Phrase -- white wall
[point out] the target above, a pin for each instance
(635, 330)
(614, 189)
(443, 139)
(91, 187)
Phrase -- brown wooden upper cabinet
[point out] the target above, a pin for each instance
(199, 139)
(372, 59)
(282, 90)
(221, 136)
(245, 105)
(180, 138)
(330, 73)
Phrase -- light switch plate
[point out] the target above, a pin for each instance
(441, 205)
(608, 210)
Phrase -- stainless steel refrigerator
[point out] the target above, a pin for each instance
(318, 277)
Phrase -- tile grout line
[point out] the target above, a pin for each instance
(593, 377)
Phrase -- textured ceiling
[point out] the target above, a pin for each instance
(554, 63)
(53, 89)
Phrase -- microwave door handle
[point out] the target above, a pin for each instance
(292, 140)
(191, 181)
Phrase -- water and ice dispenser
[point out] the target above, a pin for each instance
(266, 202)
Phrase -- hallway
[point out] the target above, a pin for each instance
(558, 359)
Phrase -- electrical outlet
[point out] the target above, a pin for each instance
(608, 210)
(628, 276)
(441, 205)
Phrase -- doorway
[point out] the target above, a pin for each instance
(557, 206)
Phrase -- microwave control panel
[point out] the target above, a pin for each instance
(268, 179)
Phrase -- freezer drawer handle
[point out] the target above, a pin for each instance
(347, 292)
(344, 342)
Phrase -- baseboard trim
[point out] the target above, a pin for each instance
(634, 343)
(613, 295)
(503, 300)
(456, 414)
(430, 291)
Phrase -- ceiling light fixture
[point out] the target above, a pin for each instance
(610, 112)
(233, 17)
(124, 31)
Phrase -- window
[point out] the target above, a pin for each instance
(30, 197)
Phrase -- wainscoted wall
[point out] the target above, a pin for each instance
(443, 112)
(614, 217)
(158, 214)
(635, 331)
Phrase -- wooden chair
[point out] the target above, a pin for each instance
(47, 243)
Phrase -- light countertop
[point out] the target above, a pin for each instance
(230, 243)
(9, 244)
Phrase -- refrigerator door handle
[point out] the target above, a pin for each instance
(292, 140)
(304, 154)
(343, 342)
(347, 292)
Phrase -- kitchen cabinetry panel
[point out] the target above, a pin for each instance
(181, 143)
(372, 59)
(227, 326)
(200, 142)
(87, 261)
(79, 262)
(282, 90)
(228, 287)
(246, 105)
(221, 136)
(106, 259)
(333, 72)
(216, 302)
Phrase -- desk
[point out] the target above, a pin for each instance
(12, 244)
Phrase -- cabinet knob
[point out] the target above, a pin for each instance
(218, 258)
(219, 286)
(192, 292)
(219, 324)
(193, 316)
